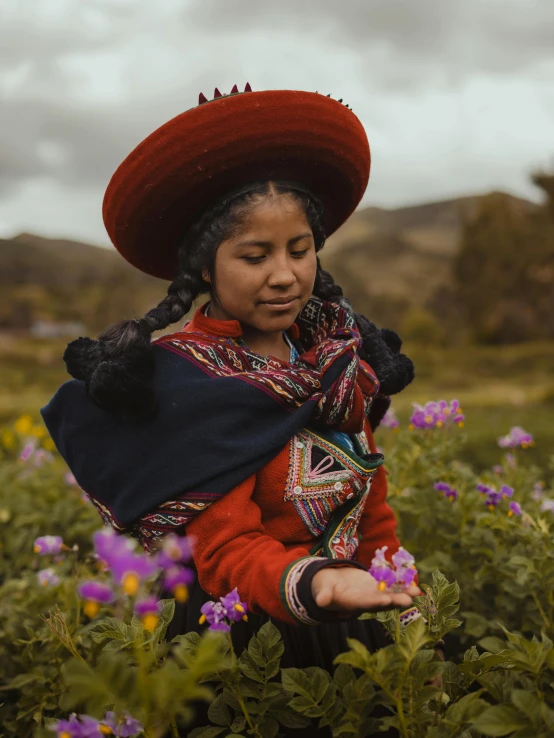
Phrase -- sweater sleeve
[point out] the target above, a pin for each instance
(231, 550)
(377, 525)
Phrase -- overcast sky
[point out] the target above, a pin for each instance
(456, 96)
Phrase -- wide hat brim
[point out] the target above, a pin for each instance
(179, 170)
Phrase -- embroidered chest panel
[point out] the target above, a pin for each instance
(328, 488)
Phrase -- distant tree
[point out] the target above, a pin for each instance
(504, 271)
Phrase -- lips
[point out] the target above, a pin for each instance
(281, 300)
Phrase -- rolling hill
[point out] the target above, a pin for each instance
(386, 261)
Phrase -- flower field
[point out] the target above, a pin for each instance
(83, 612)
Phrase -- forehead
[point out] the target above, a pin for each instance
(273, 213)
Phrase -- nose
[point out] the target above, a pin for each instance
(282, 274)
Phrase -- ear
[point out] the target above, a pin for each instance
(206, 276)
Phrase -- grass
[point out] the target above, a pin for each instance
(498, 386)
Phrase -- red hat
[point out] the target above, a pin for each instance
(180, 169)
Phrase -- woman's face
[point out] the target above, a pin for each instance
(265, 275)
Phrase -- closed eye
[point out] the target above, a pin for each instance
(258, 259)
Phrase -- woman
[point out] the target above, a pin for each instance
(250, 429)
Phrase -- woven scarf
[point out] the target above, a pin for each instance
(223, 412)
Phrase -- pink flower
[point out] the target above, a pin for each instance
(390, 420)
(516, 437)
(47, 577)
(45, 545)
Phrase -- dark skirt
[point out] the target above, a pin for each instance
(315, 645)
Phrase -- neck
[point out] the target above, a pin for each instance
(265, 343)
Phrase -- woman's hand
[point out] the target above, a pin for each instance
(347, 589)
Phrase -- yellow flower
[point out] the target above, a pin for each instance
(8, 439)
(181, 593)
(202, 619)
(461, 424)
(91, 609)
(49, 444)
(23, 425)
(105, 729)
(411, 426)
(39, 431)
(150, 621)
(130, 583)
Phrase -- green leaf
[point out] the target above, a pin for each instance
(209, 731)
(219, 713)
(296, 681)
(529, 704)
(110, 629)
(465, 709)
(501, 720)
(344, 675)
(166, 616)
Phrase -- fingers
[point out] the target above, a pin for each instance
(402, 600)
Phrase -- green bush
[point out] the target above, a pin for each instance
(58, 656)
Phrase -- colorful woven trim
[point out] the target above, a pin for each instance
(328, 486)
(289, 590)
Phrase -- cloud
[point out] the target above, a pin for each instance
(456, 38)
(454, 95)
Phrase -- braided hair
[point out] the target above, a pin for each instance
(117, 368)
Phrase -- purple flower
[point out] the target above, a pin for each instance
(42, 456)
(27, 451)
(405, 576)
(449, 492)
(492, 497)
(128, 568)
(390, 420)
(174, 550)
(515, 509)
(506, 491)
(510, 460)
(47, 577)
(214, 614)
(384, 576)
(403, 559)
(78, 727)
(177, 580)
(516, 437)
(48, 545)
(436, 415)
(109, 544)
(148, 610)
(94, 594)
(234, 609)
(538, 491)
(379, 557)
(70, 479)
(497, 469)
(124, 727)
